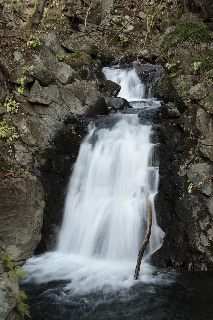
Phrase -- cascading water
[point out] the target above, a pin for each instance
(106, 207)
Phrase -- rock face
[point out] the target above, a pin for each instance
(63, 91)
(8, 295)
(22, 206)
(184, 202)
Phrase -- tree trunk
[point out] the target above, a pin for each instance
(36, 18)
(145, 241)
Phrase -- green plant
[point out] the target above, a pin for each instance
(23, 78)
(11, 105)
(17, 273)
(185, 31)
(197, 65)
(172, 65)
(61, 56)
(183, 86)
(33, 42)
(124, 40)
(21, 81)
(8, 134)
(21, 306)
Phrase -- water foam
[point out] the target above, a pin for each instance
(105, 213)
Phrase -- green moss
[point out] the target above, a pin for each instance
(186, 31)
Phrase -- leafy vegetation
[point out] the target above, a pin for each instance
(11, 106)
(17, 273)
(7, 133)
(186, 31)
(22, 307)
(33, 42)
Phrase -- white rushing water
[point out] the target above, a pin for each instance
(105, 214)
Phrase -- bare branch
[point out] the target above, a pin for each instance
(145, 241)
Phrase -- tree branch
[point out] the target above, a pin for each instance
(145, 241)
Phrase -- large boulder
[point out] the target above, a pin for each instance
(8, 295)
(117, 104)
(109, 88)
(21, 216)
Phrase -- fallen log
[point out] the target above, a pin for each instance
(145, 241)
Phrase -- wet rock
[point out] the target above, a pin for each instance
(117, 104)
(148, 73)
(152, 115)
(98, 108)
(22, 206)
(8, 295)
(198, 92)
(110, 89)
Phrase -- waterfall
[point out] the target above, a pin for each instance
(105, 212)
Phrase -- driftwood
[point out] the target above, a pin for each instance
(145, 241)
(36, 17)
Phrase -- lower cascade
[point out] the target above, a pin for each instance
(105, 216)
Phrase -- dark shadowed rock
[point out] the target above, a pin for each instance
(21, 206)
(117, 104)
(110, 89)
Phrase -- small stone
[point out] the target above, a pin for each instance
(130, 28)
(142, 15)
(64, 73)
(198, 92)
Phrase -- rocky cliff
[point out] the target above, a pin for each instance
(52, 87)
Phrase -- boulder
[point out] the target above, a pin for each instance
(117, 104)
(8, 295)
(43, 75)
(87, 93)
(50, 40)
(87, 46)
(63, 72)
(198, 92)
(39, 94)
(44, 95)
(110, 89)
(21, 215)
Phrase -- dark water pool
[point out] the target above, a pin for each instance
(188, 297)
